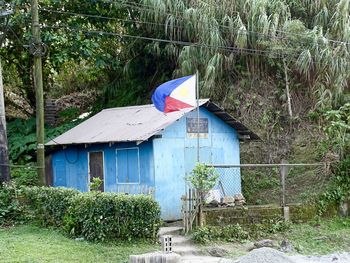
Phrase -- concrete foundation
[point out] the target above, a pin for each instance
(155, 257)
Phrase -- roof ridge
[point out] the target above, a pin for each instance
(145, 106)
(129, 107)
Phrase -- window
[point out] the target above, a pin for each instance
(128, 166)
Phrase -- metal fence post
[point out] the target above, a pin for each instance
(283, 173)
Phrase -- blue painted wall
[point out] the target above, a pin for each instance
(164, 163)
(70, 166)
(175, 155)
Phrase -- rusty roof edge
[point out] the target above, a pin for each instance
(202, 102)
(253, 135)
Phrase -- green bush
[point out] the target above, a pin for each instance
(228, 233)
(10, 209)
(339, 188)
(93, 215)
(47, 205)
(268, 227)
(103, 216)
(26, 176)
(232, 233)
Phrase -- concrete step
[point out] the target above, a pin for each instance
(204, 259)
(181, 240)
(187, 250)
(170, 230)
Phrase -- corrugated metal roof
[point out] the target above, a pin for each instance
(136, 123)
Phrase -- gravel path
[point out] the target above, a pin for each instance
(190, 253)
(333, 258)
(265, 255)
(269, 255)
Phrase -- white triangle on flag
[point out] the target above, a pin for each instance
(186, 92)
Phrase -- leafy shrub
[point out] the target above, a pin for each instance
(103, 216)
(225, 233)
(337, 129)
(203, 178)
(47, 205)
(268, 227)
(26, 176)
(22, 138)
(69, 114)
(96, 184)
(92, 215)
(9, 206)
(339, 188)
(231, 233)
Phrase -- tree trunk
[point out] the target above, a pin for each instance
(4, 159)
(289, 101)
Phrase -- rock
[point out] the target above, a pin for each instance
(286, 246)
(344, 209)
(217, 252)
(213, 203)
(248, 246)
(239, 197)
(264, 243)
(79, 239)
(231, 205)
(228, 199)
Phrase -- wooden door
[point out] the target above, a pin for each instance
(96, 167)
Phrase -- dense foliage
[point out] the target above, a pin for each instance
(100, 216)
(10, 209)
(22, 138)
(93, 215)
(337, 129)
(79, 58)
(48, 206)
(233, 233)
(281, 67)
(203, 178)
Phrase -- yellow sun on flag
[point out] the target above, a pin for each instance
(183, 92)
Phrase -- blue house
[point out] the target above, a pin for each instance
(137, 149)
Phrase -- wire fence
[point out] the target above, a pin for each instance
(276, 184)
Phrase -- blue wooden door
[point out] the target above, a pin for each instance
(60, 173)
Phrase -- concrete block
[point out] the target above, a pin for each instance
(167, 243)
(155, 257)
(286, 213)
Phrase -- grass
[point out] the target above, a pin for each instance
(314, 238)
(27, 243)
(325, 237)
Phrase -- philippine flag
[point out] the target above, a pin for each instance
(175, 94)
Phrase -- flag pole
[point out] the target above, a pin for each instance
(197, 99)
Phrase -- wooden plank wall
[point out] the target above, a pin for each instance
(48, 170)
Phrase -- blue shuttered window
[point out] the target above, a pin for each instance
(128, 167)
